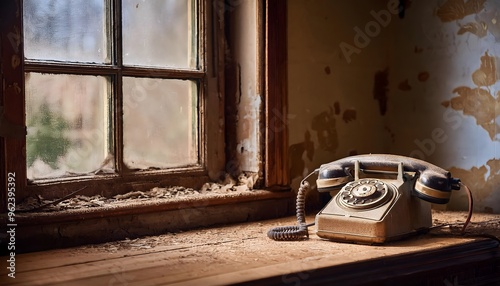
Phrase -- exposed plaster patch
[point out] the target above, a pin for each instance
(248, 131)
(491, 18)
(486, 75)
(479, 102)
(380, 89)
(479, 29)
(453, 10)
(478, 182)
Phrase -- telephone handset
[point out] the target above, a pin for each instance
(390, 201)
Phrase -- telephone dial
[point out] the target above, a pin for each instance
(380, 197)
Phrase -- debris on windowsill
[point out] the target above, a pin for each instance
(229, 185)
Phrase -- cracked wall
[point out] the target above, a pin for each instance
(424, 84)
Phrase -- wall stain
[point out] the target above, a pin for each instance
(404, 85)
(486, 75)
(423, 76)
(391, 133)
(490, 16)
(328, 70)
(453, 10)
(349, 115)
(336, 107)
(325, 126)
(295, 153)
(418, 50)
(476, 180)
(380, 89)
(479, 29)
(480, 104)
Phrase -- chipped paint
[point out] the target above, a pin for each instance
(453, 10)
(485, 178)
(479, 29)
(441, 54)
(480, 104)
(486, 75)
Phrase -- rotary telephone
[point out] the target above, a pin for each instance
(380, 197)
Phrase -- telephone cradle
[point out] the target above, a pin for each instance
(376, 198)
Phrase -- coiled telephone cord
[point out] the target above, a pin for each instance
(294, 232)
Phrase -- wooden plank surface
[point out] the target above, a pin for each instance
(225, 255)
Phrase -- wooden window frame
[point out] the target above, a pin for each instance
(273, 79)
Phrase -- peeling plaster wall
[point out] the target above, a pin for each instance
(244, 54)
(451, 106)
(425, 85)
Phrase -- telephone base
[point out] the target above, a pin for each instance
(398, 216)
(367, 239)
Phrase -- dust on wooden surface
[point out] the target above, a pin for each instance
(202, 253)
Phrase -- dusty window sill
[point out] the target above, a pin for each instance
(138, 218)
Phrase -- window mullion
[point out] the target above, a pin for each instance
(117, 82)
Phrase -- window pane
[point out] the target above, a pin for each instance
(68, 120)
(160, 123)
(66, 30)
(159, 33)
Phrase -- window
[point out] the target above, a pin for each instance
(111, 86)
(116, 96)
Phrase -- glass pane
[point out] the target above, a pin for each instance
(160, 123)
(68, 123)
(66, 30)
(159, 33)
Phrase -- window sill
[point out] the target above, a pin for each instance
(145, 217)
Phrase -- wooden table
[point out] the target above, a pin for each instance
(242, 254)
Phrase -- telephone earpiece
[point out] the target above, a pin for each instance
(433, 183)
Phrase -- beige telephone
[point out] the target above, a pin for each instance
(381, 198)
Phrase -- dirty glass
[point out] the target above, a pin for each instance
(68, 125)
(66, 30)
(159, 33)
(159, 123)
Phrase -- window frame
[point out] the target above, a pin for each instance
(122, 180)
(213, 157)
